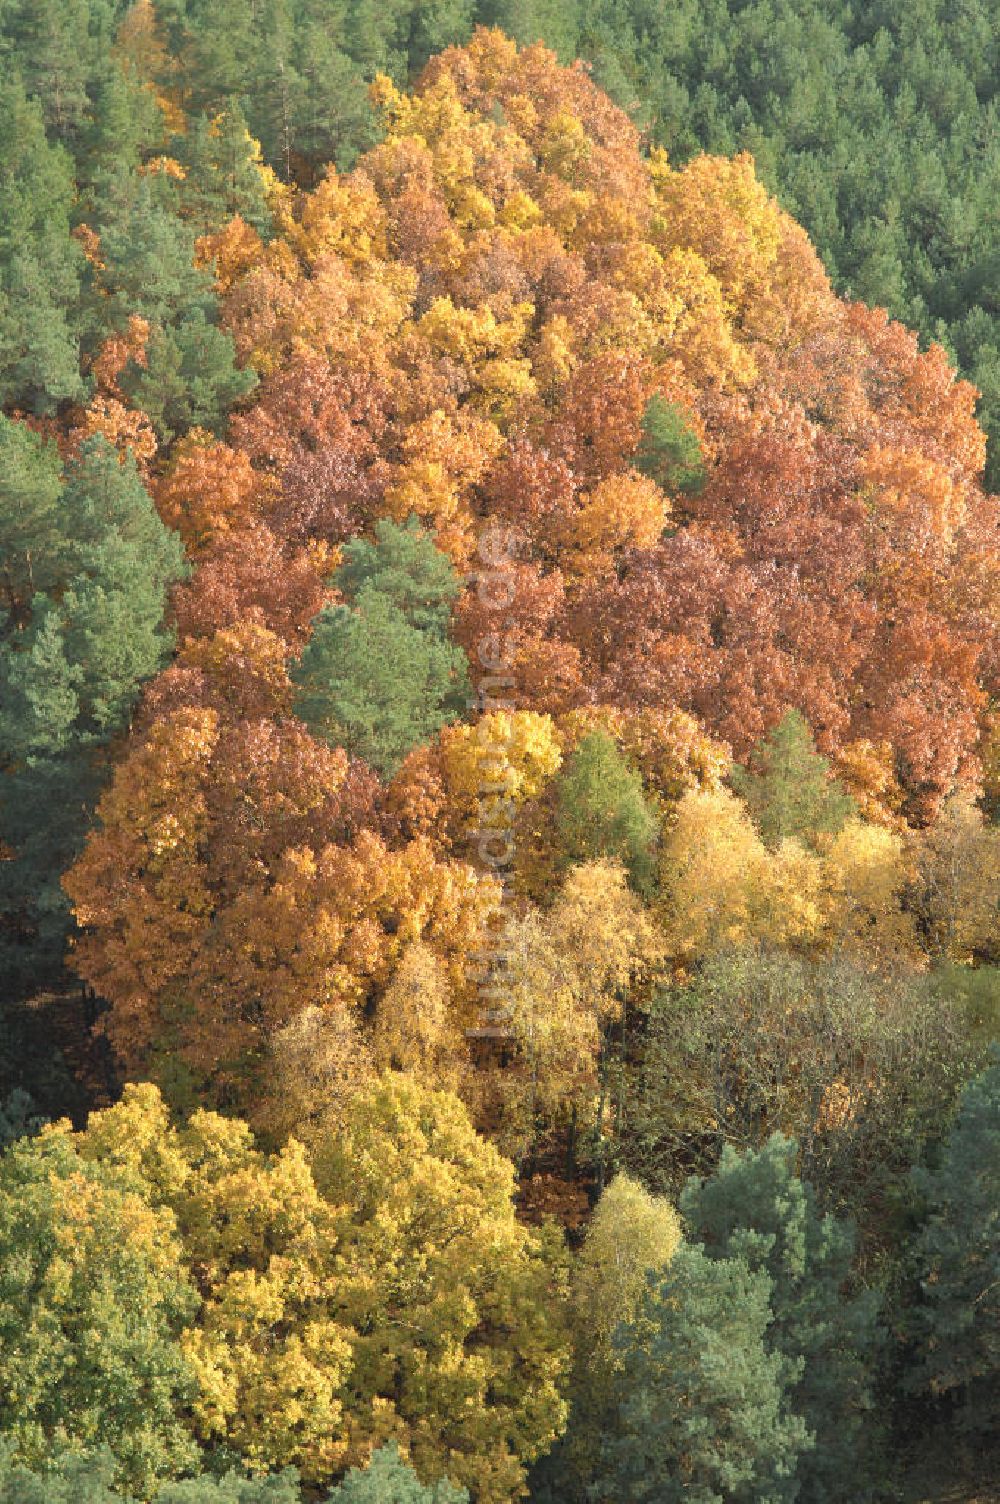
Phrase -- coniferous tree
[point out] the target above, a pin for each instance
(957, 1323)
(601, 810)
(190, 378)
(58, 47)
(380, 676)
(389, 1480)
(41, 266)
(788, 789)
(120, 561)
(756, 1209)
(122, 122)
(69, 1478)
(88, 1478)
(221, 173)
(319, 110)
(403, 565)
(33, 547)
(277, 1488)
(703, 1409)
(669, 451)
(147, 254)
(371, 682)
(88, 565)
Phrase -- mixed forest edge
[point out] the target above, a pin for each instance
(499, 752)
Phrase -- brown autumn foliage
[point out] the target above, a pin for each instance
(469, 329)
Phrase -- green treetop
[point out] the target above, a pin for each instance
(958, 1256)
(755, 1208)
(703, 1411)
(389, 1480)
(403, 565)
(602, 810)
(87, 567)
(41, 266)
(92, 1301)
(669, 451)
(787, 786)
(380, 676)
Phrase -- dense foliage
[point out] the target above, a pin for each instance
(499, 753)
(875, 127)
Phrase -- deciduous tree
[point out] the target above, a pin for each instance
(94, 1297)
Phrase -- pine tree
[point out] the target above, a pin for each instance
(190, 378)
(88, 1478)
(222, 176)
(669, 451)
(277, 1488)
(123, 120)
(41, 265)
(68, 1478)
(32, 544)
(371, 682)
(958, 1255)
(756, 1209)
(319, 110)
(601, 810)
(389, 1480)
(147, 254)
(403, 565)
(121, 561)
(88, 566)
(703, 1411)
(381, 676)
(45, 804)
(39, 687)
(73, 654)
(55, 47)
(788, 789)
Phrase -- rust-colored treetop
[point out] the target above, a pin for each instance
(733, 496)
(473, 325)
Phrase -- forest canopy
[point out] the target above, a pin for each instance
(499, 753)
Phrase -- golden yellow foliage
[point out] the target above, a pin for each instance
(495, 765)
(626, 510)
(866, 873)
(566, 976)
(714, 870)
(417, 1028)
(957, 886)
(378, 1287)
(316, 1064)
(632, 1235)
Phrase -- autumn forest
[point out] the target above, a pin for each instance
(499, 752)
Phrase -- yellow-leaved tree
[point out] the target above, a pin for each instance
(374, 1286)
(568, 977)
(493, 767)
(866, 874)
(957, 883)
(460, 1311)
(722, 888)
(631, 1235)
